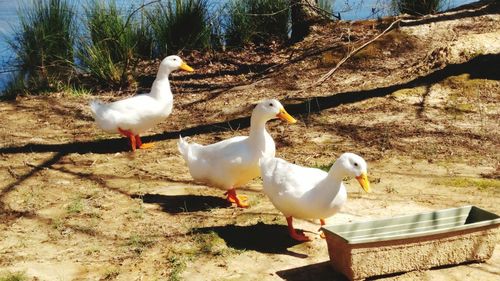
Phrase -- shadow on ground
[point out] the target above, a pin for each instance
(318, 271)
(184, 203)
(264, 238)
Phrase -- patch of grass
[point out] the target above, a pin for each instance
(87, 229)
(211, 243)
(463, 86)
(481, 184)
(110, 273)
(43, 43)
(139, 243)
(177, 266)
(93, 250)
(138, 213)
(13, 276)
(78, 91)
(465, 93)
(115, 42)
(76, 206)
(58, 224)
(258, 21)
(410, 92)
(180, 25)
(323, 167)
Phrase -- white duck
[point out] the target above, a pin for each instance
(309, 193)
(135, 115)
(231, 163)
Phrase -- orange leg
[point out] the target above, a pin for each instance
(130, 136)
(293, 233)
(321, 233)
(138, 141)
(233, 198)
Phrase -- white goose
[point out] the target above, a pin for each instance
(231, 163)
(309, 193)
(135, 115)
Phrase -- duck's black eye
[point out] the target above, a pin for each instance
(270, 104)
(355, 164)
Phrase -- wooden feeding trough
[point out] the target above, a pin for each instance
(412, 242)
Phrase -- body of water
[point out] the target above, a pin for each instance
(348, 10)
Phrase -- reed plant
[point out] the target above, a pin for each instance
(115, 41)
(258, 21)
(180, 25)
(418, 7)
(106, 50)
(43, 45)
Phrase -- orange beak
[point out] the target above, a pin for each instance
(364, 182)
(186, 67)
(283, 115)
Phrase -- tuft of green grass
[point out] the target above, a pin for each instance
(259, 21)
(13, 276)
(177, 266)
(43, 44)
(211, 243)
(180, 25)
(410, 92)
(139, 243)
(108, 52)
(323, 167)
(481, 184)
(78, 91)
(93, 250)
(110, 273)
(116, 40)
(75, 207)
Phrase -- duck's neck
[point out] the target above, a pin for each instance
(161, 86)
(337, 172)
(258, 132)
(330, 187)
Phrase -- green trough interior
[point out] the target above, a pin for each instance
(411, 226)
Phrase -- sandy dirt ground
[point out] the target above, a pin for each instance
(421, 105)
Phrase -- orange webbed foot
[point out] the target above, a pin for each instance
(147, 145)
(293, 233)
(239, 200)
(300, 237)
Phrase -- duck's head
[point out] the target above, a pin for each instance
(173, 63)
(355, 166)
(270, 109)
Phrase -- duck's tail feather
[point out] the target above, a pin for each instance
(183, 147)
(94, 106)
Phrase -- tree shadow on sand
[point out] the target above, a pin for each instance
(480, 67)
(263, 238)
(175, 204)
